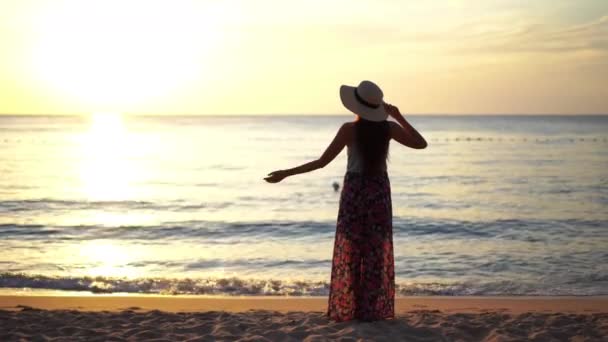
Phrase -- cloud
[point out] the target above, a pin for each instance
(482, 36)
(591, 36)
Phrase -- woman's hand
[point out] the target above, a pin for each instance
(392, 111)
(276, 176)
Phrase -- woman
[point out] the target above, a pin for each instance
(362, 276)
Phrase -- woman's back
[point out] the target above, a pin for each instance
(354, 160)
(367, 149)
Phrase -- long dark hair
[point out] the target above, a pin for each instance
(371, 139)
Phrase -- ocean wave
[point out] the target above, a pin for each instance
(166, 286)
(235, 286)
(249, 263)
(209, 230)
(47, 204)
(220, 231)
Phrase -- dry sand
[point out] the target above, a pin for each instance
(138, 318)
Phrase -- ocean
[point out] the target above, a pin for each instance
(496, 205)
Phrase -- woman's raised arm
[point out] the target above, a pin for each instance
(402, 131)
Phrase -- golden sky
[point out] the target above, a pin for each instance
(281, 57)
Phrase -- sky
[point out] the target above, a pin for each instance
(290, 57)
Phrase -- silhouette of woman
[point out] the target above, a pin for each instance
(362, 277)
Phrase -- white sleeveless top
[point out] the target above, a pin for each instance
(355, 162)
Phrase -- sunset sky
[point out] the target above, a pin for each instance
(282, 57)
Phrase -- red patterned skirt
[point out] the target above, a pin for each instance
(362, 274)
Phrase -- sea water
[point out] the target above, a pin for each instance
(496, 205)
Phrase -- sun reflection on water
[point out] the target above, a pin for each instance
(108, 259)
(107, 172)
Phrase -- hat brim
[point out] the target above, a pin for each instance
(349, 100)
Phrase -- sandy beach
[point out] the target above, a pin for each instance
(163, 318)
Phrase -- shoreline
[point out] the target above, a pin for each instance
(194, 303)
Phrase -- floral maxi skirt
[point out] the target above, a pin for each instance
(362, 274)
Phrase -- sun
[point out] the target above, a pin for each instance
(106, 123)
(121, 54)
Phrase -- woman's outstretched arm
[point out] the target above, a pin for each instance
(334, 148)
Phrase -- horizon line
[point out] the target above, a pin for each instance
(307, 114)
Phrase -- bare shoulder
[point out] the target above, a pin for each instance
(346, 131)
(348, 128)
(348, 124)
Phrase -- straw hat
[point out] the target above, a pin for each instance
(364, 100)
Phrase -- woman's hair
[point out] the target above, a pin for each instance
(371, 139)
